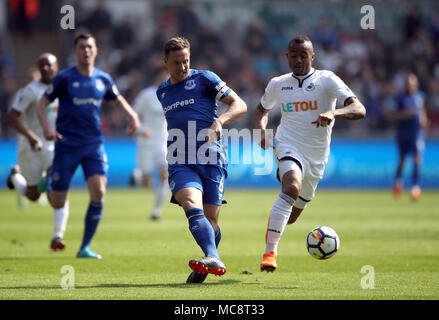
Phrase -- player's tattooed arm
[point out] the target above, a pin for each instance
(353, 110)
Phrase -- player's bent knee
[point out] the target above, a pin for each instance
(189, 198)
(32, 195)
(188, 204)
(57, 199)
(97, 195)
(57, 203)
(211, 212)
(291, 189)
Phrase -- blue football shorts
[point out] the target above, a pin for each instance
(210, 179)
(92, 159)
(411, 144)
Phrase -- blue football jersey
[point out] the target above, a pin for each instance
(190, 107)
(80, 99)
(410, 127)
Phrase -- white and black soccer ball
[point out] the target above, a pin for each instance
(322, 243)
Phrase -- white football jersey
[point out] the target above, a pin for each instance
(151, 116)
(26, 102)
(302, 100)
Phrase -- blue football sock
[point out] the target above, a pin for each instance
(415, 175)
(92, 218)
(217, 236)
(202, 231)
(398, 174)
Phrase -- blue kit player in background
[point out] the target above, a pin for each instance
(196, 163)
(411, 117)
(78, 135)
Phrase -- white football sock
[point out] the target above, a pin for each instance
(160, 195)
(279, 216)
(19, 183)
(60, 220)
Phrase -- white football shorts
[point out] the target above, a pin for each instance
(151, 158)
(288, 158)
(34, 164)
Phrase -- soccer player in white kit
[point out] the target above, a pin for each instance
(35, 153)
(307, 98)
(152, 141)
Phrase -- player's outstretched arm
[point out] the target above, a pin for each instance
(133, 122)
(14, 121)
(260, 122)
(353, 110)
(237, 107)
(48, 131)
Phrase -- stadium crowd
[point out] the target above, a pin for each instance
(246, 58)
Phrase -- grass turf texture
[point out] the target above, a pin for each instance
(144, 259)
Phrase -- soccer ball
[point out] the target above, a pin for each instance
(322, 243)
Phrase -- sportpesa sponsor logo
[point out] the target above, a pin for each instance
(177, 104)
(80, 102)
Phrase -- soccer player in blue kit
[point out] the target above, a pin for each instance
(196, 163)
(78, 134)
(411, 118)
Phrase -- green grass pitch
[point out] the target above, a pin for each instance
(143, 259)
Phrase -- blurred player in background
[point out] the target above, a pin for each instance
(411, 117)
(307, 98)
(35, 153)
(32, 74)
(152, 141)
(78, 136)
(189, 98)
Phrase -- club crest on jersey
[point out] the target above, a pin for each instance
(50, 89)
(310, 87)
(190, 84)
(100, 85)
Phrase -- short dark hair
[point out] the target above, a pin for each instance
(176, 43)
(299, 39)
(82, 35)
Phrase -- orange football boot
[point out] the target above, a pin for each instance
(397, 190)
(269, 262)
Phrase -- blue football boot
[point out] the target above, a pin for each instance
(88, 253)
